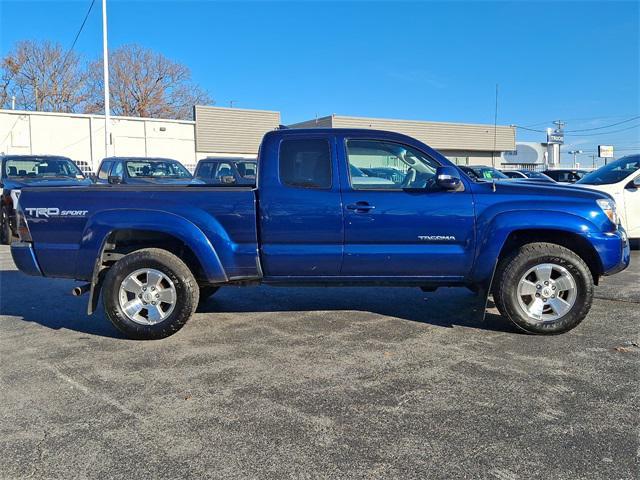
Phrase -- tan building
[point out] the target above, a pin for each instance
(463, 143)
(232, 131)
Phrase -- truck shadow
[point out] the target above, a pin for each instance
(49, 303)
(446, 307)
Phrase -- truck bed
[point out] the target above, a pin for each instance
(70, 225)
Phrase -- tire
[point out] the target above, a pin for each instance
(157, 289)
(554, 307)
(6, 235)
(206, 292)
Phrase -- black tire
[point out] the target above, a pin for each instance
(186, 293)
(6, 235)
(513, 267)
(206, 292)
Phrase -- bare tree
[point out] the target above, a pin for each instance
(42, 77)
(144, 83)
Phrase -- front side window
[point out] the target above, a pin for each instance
(118, 170)
(105, 168)
(205, 171)
(305, 163)
(379, 165)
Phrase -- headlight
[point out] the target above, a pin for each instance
(609, 208)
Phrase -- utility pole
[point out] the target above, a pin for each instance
(495, 131)
(105, 64)
(556, 148)
(574, 153)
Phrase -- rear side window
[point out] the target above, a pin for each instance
(103, 174)
(305, 163)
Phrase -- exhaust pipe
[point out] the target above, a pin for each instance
(81, 290)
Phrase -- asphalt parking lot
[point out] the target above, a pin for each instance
(317, 383)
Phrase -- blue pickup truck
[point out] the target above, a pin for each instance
(538, 249)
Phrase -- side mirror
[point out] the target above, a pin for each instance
(448, 178)
(115, 179)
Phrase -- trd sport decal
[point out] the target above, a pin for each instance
(54, 212)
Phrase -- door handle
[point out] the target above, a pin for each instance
(360, 207)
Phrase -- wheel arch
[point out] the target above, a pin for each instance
(567, 239)
(512, 229)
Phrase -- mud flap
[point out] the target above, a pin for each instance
(484, 290)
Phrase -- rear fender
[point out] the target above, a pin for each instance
(102, 224)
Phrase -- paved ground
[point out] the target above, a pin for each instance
(317, 383)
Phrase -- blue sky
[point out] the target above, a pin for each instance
(576, 61)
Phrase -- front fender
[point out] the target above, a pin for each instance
(493, 233)
(103, 223)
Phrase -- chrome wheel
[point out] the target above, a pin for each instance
(546, 292)
(147, 296)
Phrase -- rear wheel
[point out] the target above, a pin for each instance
(543, 288)
(149, 294)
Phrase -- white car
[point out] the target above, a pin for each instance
(621, 180)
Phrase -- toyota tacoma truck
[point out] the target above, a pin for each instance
(154, 251)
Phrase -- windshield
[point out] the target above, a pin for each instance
(156, 168)
(538, 175)
(41, 167)
(613, 173)
(484, 173)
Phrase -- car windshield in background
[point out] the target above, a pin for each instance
(612, 173)
(155, 169)
(39, 168)
(538, 175)
(484, 173)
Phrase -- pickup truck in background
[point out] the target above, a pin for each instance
(538, 249)
(226, 171)
(19, 171)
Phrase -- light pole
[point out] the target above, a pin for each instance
(105, 64)
(574, 153)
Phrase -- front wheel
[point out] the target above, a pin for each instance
(543, 288)
(149, 294)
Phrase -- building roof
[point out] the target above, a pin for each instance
(440, 135)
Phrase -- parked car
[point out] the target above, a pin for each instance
(142, 170)
(565, 175)
(234, 171)
(482, 172)
(19, 171)
(621, 180)
(538, 248)
(528, 175)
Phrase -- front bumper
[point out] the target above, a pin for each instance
(613, 249)
(25, 258)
